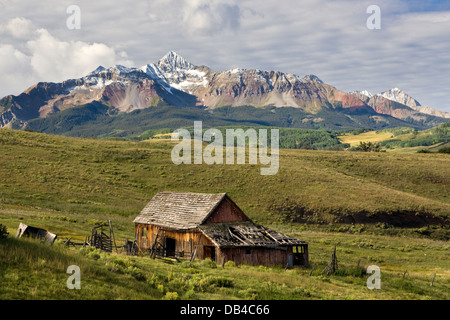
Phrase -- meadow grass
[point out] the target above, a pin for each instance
(34, 270)
(89, 176)
(370, 136)
(67, 185)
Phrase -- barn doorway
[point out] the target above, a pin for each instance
(170, 247)
(210, 252)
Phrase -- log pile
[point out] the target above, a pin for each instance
(99, 239)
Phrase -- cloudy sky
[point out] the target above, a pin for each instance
(328, 38)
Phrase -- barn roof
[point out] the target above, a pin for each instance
(246, 234)
(179, 210)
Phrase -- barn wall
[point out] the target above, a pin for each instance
(185, 241)
(227, 212)
(255, 256)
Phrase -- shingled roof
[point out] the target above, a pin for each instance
(179, 210)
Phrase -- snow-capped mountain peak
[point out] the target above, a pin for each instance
(98, 70)
(364, 93)
(117, 70)
(400, 96)
(122, 69)
(174, 62)
(178, 73)
(311, 77)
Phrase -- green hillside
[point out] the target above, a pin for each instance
(403, 139)
(387, 209)
(98, 120)
(119, 177)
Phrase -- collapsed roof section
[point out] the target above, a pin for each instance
(246, 234)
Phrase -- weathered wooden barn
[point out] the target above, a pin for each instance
(212, 226)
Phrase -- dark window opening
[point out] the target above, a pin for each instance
(298, 254)
(170, 247)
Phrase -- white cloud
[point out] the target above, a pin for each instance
(56, 60)
(211, 17)
(197, 17)
(43, 57)
(19, 27)
(14, 67)
(328, 38)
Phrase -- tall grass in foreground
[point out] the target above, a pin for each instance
(30, 269)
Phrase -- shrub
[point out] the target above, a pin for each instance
(230, 263)
(209, 264)
(161, 288)
(249, 294)
(3, 232)
(221, 282)
(368, 147)
(444, 150)
(171, 296)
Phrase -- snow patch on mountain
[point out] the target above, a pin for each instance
(400, 96)
(153, 71)
(364, 93)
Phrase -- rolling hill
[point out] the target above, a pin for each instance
(387, 209)
(103, 176)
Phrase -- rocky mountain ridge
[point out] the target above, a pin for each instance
(176, 82)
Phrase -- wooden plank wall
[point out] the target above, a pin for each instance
(255, 256)
(227, 212)
(184, 240)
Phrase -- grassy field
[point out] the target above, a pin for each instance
(31, 270)
(370, 136)
(402, 139)
(358, 201)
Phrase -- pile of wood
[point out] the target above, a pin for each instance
(99, 238)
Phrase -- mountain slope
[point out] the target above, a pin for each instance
(400, 96)
(399, 104)
(173, 81)
(74, 122)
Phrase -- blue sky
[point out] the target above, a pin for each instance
(328, 38)
(428, 5)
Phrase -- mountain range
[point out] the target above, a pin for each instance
(152, 95)
(378, 103)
